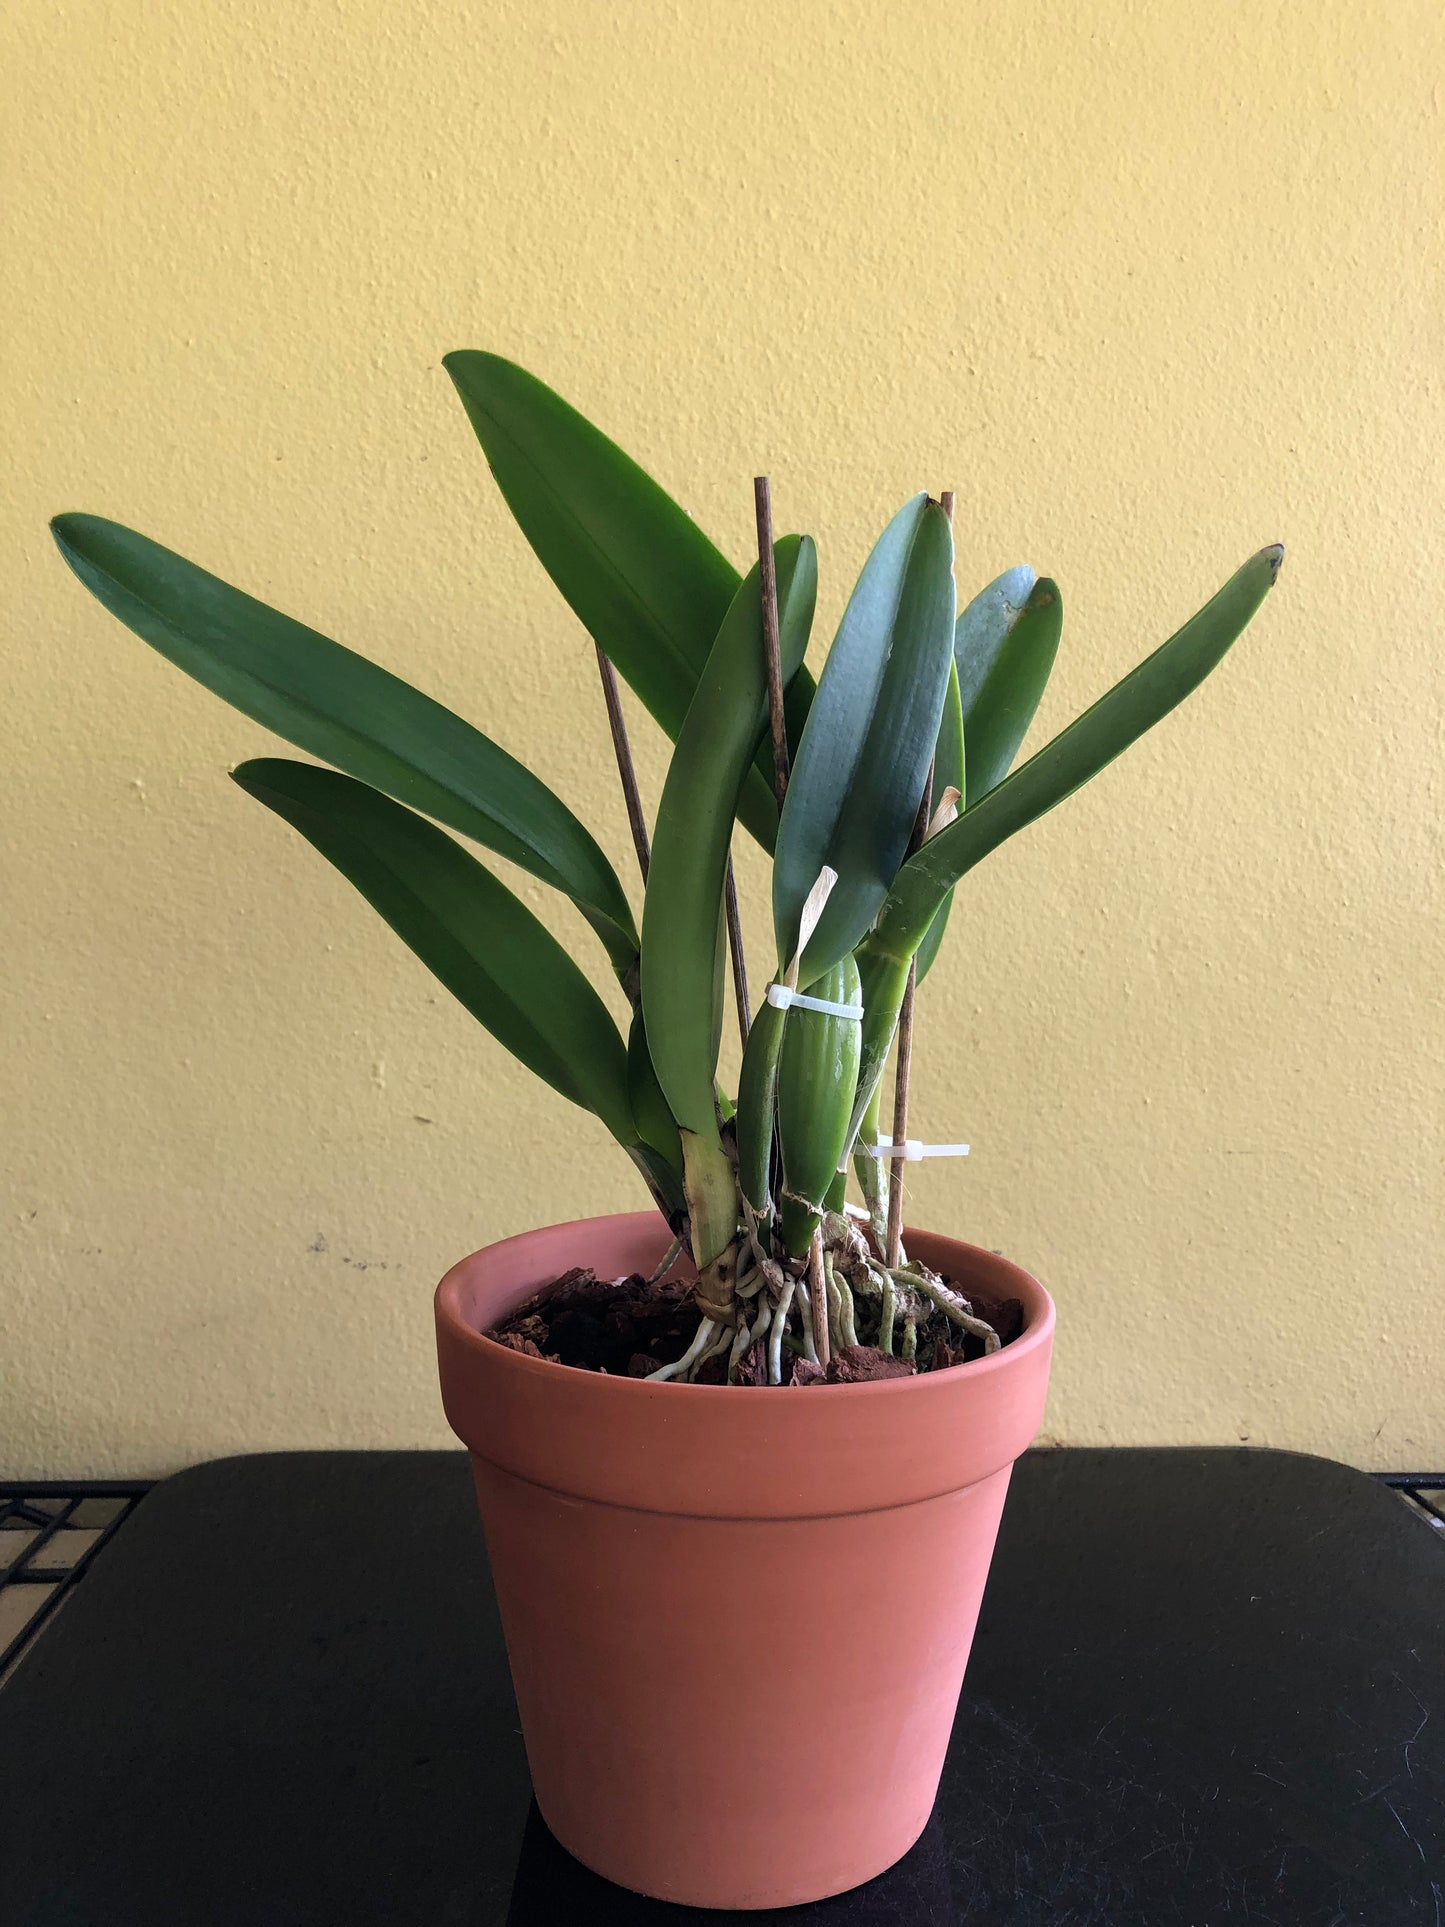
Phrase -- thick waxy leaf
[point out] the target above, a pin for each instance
(884, 979)
(758, 1079)
(640, 575)
(948, 773)
(757, 1106)
(1118, 719)
(656, 1126)
(853, 795)
(871, 1172)
(817, 1079)
(468, 929)
(344, 709)
(682, 960)
(1004, 644)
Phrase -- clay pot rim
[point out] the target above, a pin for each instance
(1038, 1332)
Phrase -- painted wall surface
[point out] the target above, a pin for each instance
(1149, 285)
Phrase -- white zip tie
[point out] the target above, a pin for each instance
(912, 1150)
(780, 997)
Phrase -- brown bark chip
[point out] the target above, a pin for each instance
(601, 1325)
(1006, 1315)
(864, 1364)
(753, 1366)
(518, 1342)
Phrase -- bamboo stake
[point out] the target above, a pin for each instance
(622, 749)
(904, 1068)
(773, 660)
(896, 1164)
(818, 1292)
(735, 946)
(772, 649)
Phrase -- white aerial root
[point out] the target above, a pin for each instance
(775, 1336)
(720, 1344)
(840, 1301)
(810, 1350)
(741, 1339)
(951, 1306)
(748, 1336)
(885, 1317)
(693, 1356)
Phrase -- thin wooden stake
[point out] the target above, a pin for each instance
(622, 749)
(896, 1164)
(772, 648)
(818, 1292)
(772, 653)
(735, 946)
(904, 1068)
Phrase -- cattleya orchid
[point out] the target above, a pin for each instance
(875, 790)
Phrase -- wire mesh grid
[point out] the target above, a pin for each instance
(1424, 1491)
(49, 1535)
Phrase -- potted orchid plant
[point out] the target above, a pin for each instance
(738, 1617)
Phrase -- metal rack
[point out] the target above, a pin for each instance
(1424, 1491)
(59, 1528)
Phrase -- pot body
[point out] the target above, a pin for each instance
(737, 1618)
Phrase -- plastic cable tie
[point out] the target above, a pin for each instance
(781, 998)
(912, 1150)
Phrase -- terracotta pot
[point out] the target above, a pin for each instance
(737, 1618)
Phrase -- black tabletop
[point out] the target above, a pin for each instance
(1208, 1687)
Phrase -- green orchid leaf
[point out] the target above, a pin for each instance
(642, 578)
(664, 1184)
(470, 931)
(817, 1078)
(1004, 644)
(853, 796)
(656, 1125)
(683, 961)
(1092, 741)
(338, 706)
(948, 773)
(757, 1106)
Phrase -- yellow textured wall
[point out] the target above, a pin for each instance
(1149, 284)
